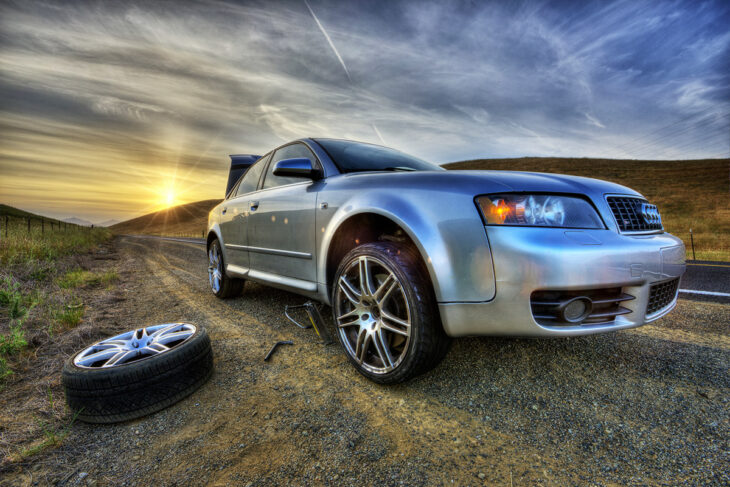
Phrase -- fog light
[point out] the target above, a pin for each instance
(576, 310)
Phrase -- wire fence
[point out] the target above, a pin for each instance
(35, 225)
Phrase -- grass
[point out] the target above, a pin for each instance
(52, 436)
(67, 316)
(22, 247)
(31, 255)
(689, 194)
(14, 307)
(81, 278)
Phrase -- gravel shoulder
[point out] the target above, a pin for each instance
(637, 407)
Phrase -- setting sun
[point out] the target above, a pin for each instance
(170, 198)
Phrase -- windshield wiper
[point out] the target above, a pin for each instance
(398, 168)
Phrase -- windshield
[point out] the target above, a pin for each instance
(357, 157)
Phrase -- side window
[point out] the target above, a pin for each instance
(250, 180)
(289, 152)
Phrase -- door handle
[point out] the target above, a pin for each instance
(253, 205)
(224, 210)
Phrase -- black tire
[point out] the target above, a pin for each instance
(136, 389)
(429, 343)
(230, 287)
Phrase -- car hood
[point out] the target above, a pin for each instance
(548, 182)
(479, 182)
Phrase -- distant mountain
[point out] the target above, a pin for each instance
(107, 223)
(190, 219)
(78, 221)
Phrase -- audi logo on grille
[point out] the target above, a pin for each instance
(650, 213)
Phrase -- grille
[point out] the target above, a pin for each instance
(605, 306)
(661, 295)
(634, 214)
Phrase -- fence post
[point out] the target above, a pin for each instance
(43, 229)
(6, 226)
(692, 239)
(28, 224)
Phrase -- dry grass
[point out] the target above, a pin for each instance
(184, 220)
(20, 246)
(689, 194)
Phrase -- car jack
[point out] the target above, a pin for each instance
(315, 318)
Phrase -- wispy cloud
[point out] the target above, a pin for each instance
(105, 104)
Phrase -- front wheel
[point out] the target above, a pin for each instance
(385, 312)
(221, 285)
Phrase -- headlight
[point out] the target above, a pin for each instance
(538, 210)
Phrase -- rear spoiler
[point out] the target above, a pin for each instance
(239, 164)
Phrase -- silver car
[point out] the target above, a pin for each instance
(409, 255)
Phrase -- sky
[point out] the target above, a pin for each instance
(109, 110)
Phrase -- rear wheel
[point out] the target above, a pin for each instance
(222, 285)
(386, 314)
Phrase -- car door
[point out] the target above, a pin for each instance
(281, 233)
(235, 214)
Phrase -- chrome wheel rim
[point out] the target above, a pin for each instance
(134, 345)
(373, 315)
(215, 267)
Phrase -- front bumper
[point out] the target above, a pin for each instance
(532, 259)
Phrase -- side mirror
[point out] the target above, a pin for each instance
(300, 167)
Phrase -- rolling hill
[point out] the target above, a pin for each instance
(690, 194)
(13, 212)
(189, 219)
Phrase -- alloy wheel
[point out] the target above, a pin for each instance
(215, 267)
(373, 315)
(134, 345)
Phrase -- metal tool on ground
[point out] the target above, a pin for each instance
(276, 345)
(315, 320)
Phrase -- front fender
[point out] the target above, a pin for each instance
(445, 227)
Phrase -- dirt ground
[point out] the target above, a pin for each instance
(649, 406)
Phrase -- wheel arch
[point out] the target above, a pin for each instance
(370, 225)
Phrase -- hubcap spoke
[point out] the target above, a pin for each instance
(120, 358)
(350, 293)
(361, 348)
(366, 288)
(381, 346)
(173, 337)
(395, 319)
(164, 330)
(349, 314)
(382, 294)
(104, 355)
(393, 329)
(155, 348)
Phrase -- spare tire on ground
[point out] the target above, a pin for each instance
(137, 373)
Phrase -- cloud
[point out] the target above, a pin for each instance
(122, 98)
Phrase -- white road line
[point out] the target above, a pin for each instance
(708, 293)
